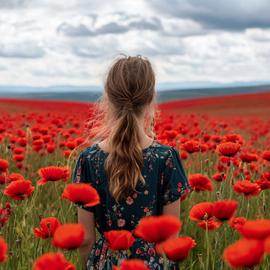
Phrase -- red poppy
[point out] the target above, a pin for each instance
(263, 183)
(221, 167)
(36, 137)
(210, 224)
(170, 134)
(204, 147)
(200, 182)
(38, 142)
(219, 177)
(228, 149)
(19, 165)
(3, 179)
(53, 261)
(183, 155)
(51, 148)
(248, 157)
(254, 167)
(53, 173)
(81, 193)
(18, 150)
(266, 176)
(191, 146)
(47, 227)
(225, 160)
(43, 130)
(233, 138)
(216, 138)
(176, 249)
(80, 140)
(3, 165)
(224, 210)
(201, 211)
(18, 157)
(266, 155)
(131, 264)
(22, 141)
(244, 253)
(247, 188)
(46, 138)
(69, 236)
(259, 229)
(14, 177)
(19, 190)
(3, 250)
(119, 239)
(206, 137)
(237, 222)
(5, 213)
(37, 147)
(203, 214)
(71, 144)
(151, 228)
(67, 153)
(235, 161)
(267, 245)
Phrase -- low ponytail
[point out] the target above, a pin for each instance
(125, 161)
(129, 95)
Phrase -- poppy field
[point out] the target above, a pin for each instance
(224, 144)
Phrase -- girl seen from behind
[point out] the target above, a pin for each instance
(134, 174)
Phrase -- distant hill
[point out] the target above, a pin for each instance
(81, 93)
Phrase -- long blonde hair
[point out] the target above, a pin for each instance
(129, 89)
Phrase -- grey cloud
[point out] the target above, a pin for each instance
(21, 50)
(13, 3)
(112, 28)
(231, 15)
(153, 24)
(150, 48)
(93, 49)
(87, 52)
(82, 5)
(73, 31)
(162, 51)
(82, 30)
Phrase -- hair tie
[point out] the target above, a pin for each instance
(128, 107)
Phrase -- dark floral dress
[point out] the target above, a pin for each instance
(166, 182)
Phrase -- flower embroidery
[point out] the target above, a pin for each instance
(129, 200)
(144, 202)
(121, 222)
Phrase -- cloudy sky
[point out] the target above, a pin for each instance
(55, 42)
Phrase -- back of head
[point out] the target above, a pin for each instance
(129, 93)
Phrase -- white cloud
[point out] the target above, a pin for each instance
(46, 42)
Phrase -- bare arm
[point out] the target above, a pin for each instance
(172, 209)
(86, 218)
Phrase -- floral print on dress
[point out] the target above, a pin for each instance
(165, 182)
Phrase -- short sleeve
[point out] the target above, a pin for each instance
(175, 182)
(82, 174)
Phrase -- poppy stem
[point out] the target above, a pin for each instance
(207, 247)
(59, 199)
(264, 204)
(247, 207)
